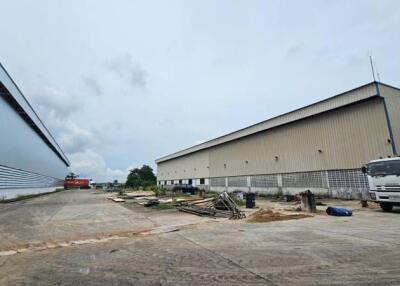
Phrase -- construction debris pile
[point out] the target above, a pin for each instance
(220, 206)
(149, 199)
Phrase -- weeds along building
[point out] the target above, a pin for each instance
(30, 159)
(320, 147)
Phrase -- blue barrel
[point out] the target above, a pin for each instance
(338, 211)
(250, 200)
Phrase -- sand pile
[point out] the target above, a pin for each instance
(267, 215)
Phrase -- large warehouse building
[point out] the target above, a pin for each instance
(30, 159)
(320, 147)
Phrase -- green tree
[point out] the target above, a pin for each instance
(141, 177)
(71, 175)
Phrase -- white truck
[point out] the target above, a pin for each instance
(384, 182)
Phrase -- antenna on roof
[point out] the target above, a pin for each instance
(372, 67)
(378, 75)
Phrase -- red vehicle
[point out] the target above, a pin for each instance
(76, 183)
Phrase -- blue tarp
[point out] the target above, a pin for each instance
(338, 211)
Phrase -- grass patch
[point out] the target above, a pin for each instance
(239, 202)
(278, 195)
(163, 206)
(159, 192)
(178, 194)
(21, 197)
(24, 197)
(211, 194)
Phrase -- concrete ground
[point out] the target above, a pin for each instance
(81, 238)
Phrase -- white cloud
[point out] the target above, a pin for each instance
(50, 100)
(90, 164)
(74, 138)
(205, 70)
(55, 108)
(93, 84)
(125, 68)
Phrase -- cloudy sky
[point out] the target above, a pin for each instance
(122, 83)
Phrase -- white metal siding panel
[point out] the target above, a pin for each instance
(13, 89)
(21, 148)
(346, 98)
(348, 137)
(194, 165)
(392, 98)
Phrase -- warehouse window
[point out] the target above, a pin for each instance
(347, 179)
(237, 181)
(217, 182)
(315, 179)
(190, 181)
(180, 182)
(202, 181)
(264, 181)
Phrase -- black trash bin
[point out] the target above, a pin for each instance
(250, 200)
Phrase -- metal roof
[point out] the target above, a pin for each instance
(13, 95)
(340, 100)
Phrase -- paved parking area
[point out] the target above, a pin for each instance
(81, 238)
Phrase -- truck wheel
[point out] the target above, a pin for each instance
(386, 207)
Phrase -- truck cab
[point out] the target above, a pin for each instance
(384, 182)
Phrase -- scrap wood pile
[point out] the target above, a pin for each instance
(220, 206)
(148, 199)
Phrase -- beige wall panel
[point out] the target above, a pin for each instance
(187, 167)
(392, 98)
(348, 137)
(340, 100)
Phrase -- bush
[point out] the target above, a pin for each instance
(153, 188)
(239, 202)
(278, 195)
(159, 191)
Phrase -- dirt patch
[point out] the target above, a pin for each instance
(267, 215)
(373, 205)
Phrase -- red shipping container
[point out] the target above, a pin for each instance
(76, 183)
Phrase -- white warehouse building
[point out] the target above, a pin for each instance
(31, 161)
(320, 147)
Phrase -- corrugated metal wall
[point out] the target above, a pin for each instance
(30, 159)
(21, 148)
(14, 178)
(355, 95)
(195, 165)
(392, 98)
(346, 138)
